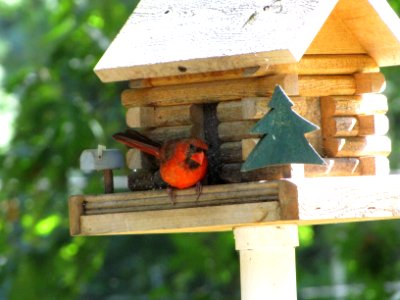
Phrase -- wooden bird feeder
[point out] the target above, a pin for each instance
(208, 69)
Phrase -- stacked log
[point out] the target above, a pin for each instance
(339, 93)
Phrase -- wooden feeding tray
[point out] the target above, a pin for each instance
(224, 207)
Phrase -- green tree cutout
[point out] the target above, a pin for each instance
(283, 141)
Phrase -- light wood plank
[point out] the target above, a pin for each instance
(340, 199)
(374, 165)
(367, 104)
(308, 65)
(327, 85)
(370, 83)
(137, 117)
(157, 197)
(201, 219)
(357, 146)
(231, 152)
(324, 85)
(229, 111)
(75, 204)
(335, 167)
(362, 125)
(255, 71)
(331, 64)
(144, 117)
(254, 108)
(235, 131)
(341, 127)
(306, 85)
(162, 134)
(335, 37)
(373, 125)
(209, 91)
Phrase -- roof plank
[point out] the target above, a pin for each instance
(376, 26)
(184, 37)
(335, 38)
(166, 38)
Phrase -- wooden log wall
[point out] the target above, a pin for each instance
(339, 93)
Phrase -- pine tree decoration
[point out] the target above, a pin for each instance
(283, 141)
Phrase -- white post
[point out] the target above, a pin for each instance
(267, 261)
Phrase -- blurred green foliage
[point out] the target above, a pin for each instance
(48, 50)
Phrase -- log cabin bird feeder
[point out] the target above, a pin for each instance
(208, 69)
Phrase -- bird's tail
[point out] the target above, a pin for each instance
(134, 139)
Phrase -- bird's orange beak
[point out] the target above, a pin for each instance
(198, 157)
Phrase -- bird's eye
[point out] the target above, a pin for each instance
(192, 148)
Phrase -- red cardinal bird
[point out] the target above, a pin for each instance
(183, 162)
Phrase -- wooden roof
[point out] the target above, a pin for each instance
(167, 38)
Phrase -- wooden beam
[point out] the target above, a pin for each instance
(306, 85)
(137, 117)
(254, 71)
(219, 218)
(235, 131)
(144, 117)
(229, 111)
(308, 65)
(369, 83)
(329, 64)
(254, 108)
(76, 208)
(367, 104)
(340, 127)
(335, 167)
(209, 91)
(325, 85)
(362, 125)
(374, 165)
(373, 125)
(162, 134)
(231, 152)
(357, 146)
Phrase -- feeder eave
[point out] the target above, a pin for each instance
(217, 36)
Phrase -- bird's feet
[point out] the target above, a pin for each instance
(172, 195)
(199, 188)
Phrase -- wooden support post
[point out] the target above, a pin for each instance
(267, 261)
(210, 92)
